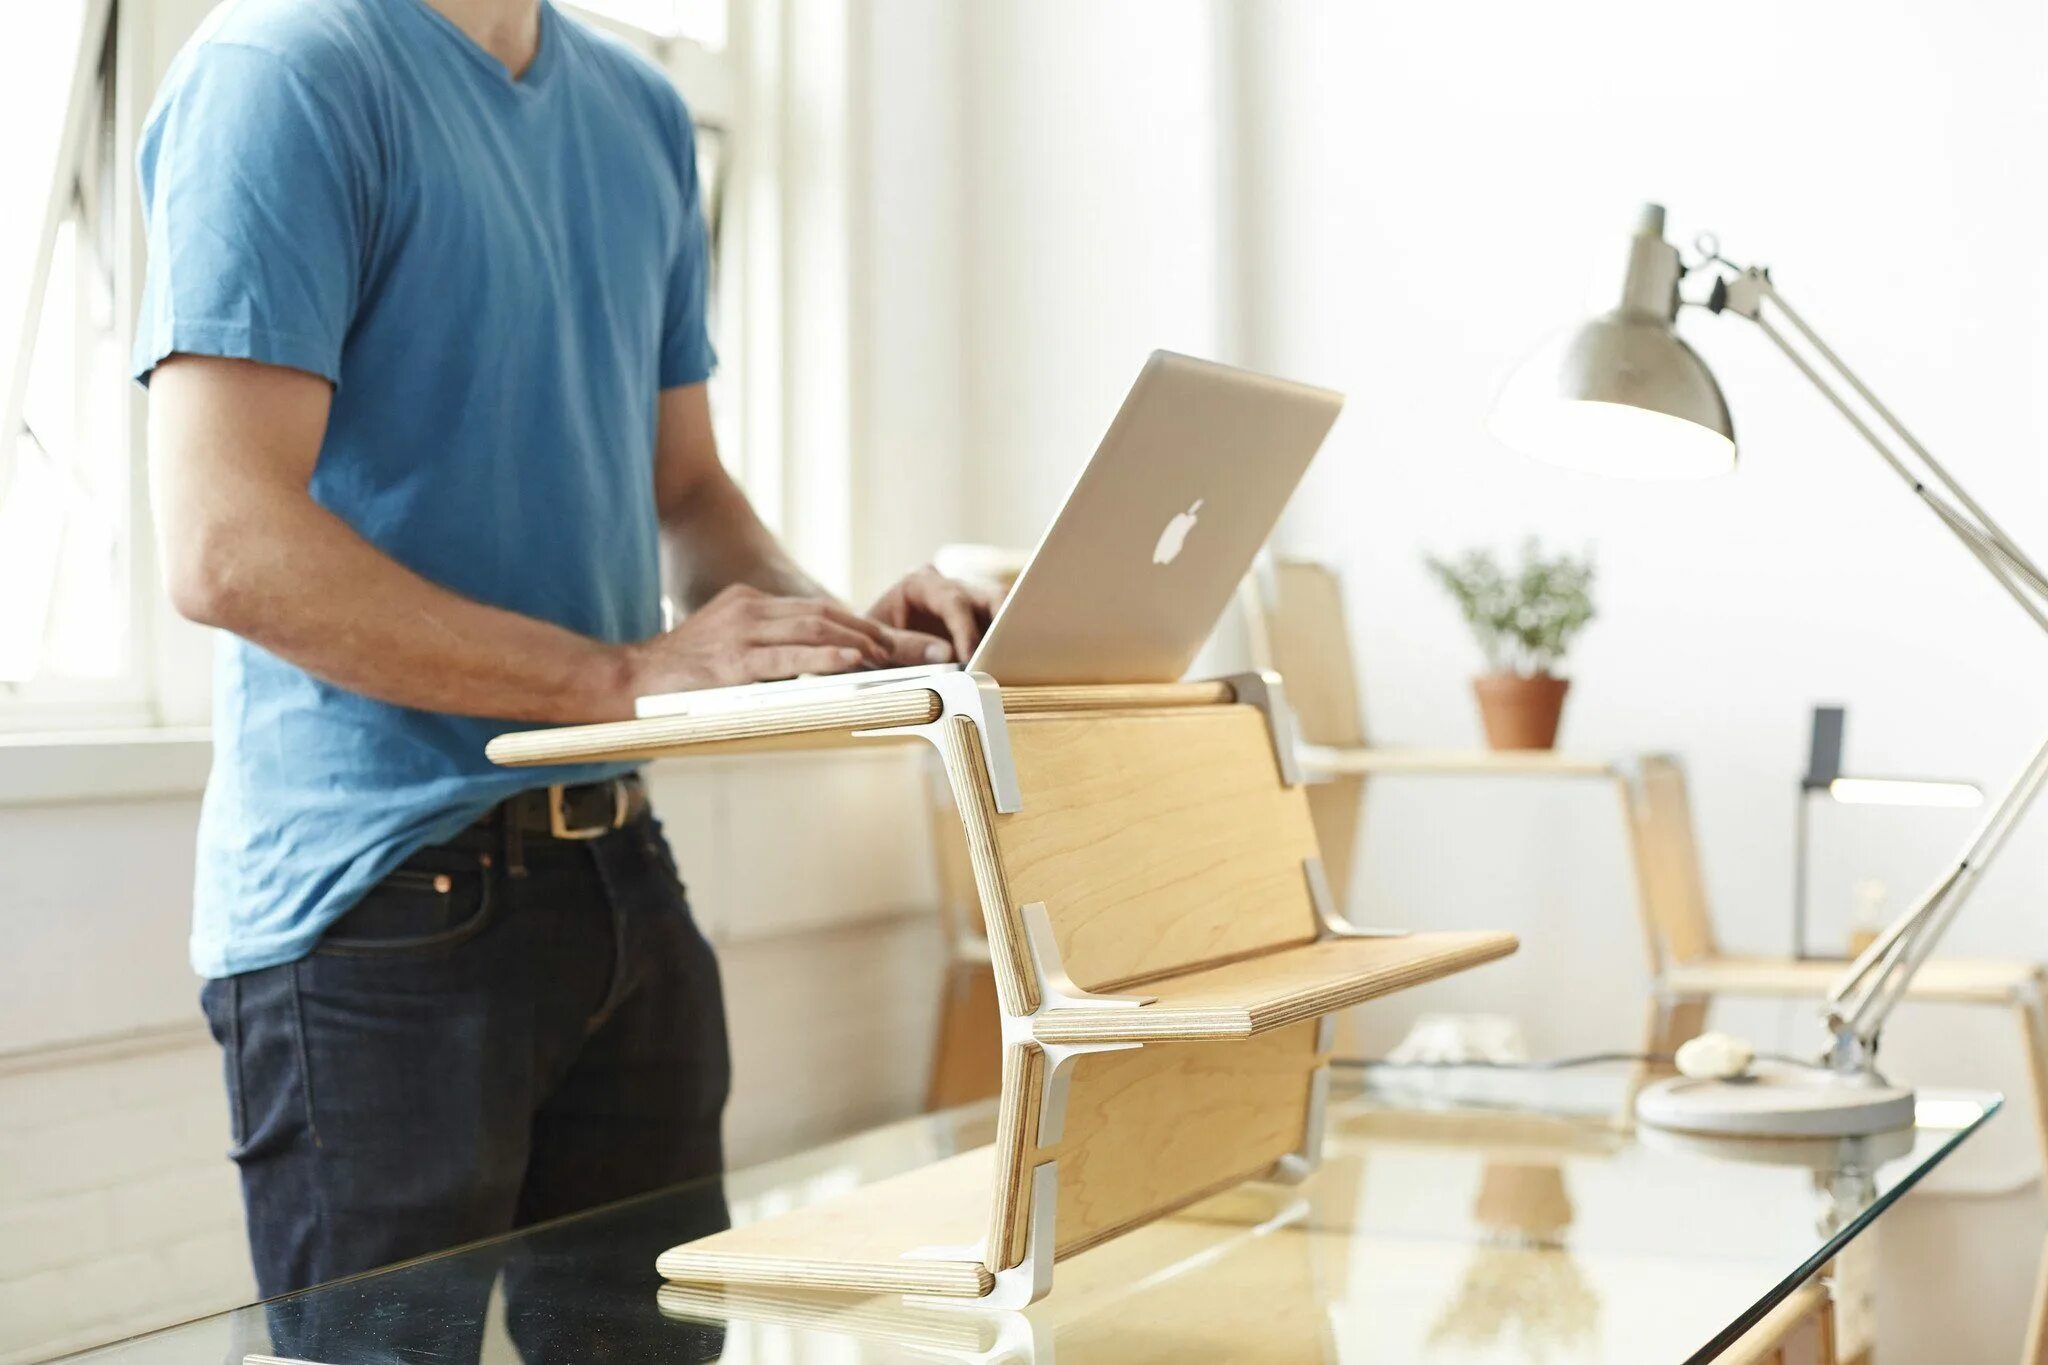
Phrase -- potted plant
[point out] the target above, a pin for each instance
(1524, 622)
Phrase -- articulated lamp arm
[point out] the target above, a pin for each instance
(1873, 985)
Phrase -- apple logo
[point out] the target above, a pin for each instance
(1175, 535)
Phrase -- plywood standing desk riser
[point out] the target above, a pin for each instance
(1166, 965)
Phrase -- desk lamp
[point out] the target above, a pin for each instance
(1623, 394)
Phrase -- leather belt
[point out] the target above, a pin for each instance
(588, 810)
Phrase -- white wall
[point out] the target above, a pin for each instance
(1090, 214)
(1441, 183)
(1035, 210)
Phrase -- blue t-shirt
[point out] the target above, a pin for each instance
(498, 277)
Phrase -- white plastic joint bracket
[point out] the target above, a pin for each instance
(1331, 924)
(1299, 1164)
(1265, 691)
(1056, 990)
(1019, 1285)
(1059, 1071)
(976, 696)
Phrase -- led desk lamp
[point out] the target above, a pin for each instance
(1622, 394)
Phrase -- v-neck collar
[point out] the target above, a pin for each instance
(545, 58)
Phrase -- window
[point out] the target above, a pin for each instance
(702, 22)
(68, 606)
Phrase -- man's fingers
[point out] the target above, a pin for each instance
(818, 606)
(873, 635)
(820, 630)
(987, 597)
(768, 663)
(909, 647)
(945, 599)
(853, 620)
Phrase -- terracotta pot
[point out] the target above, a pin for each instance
(1519, 712)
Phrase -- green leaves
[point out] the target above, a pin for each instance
(1524, 620)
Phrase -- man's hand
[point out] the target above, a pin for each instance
(928, 603)
(744, 635)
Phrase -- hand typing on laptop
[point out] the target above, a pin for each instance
(929, 603)
(1127, 582)
(744, 635)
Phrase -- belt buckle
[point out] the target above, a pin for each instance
(558, 822)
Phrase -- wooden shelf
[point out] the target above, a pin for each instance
(1955, 980)
(1255, 995)
(1324, 760)
(855, 1241)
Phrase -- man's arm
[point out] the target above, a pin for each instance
(714, 540)
(246, 548)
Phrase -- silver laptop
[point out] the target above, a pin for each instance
(1148, 547)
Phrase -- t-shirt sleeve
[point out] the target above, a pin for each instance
(256, 204)
(687, 356)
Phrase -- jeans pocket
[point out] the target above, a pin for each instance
(428, 905)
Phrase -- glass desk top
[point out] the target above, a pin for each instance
(1466, 1217)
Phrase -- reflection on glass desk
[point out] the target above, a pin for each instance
(1459, 1216)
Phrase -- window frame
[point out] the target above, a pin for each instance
(95, 118)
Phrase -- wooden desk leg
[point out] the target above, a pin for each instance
(2035, 1351)
(1852, 1296)
(2034, 1038)
(967, 1053)
(1799, 1331)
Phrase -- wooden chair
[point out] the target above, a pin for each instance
(1689, 971)
(1164, 956)
(1294, 615)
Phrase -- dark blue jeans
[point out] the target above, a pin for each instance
(505, 1030)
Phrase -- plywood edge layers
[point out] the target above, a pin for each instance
(1032, 701)
(1332, 975)
(949, 1279)
(967, 772)
(1016, 1139)
(657, 735)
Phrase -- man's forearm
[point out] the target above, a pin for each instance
(713, 539)
(377, 628)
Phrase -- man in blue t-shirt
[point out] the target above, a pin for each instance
(425, 339)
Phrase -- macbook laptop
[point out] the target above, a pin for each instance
(1147, 549)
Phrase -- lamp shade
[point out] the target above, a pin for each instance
(1623, 394)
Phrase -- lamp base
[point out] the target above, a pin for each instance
(1777, 1101)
